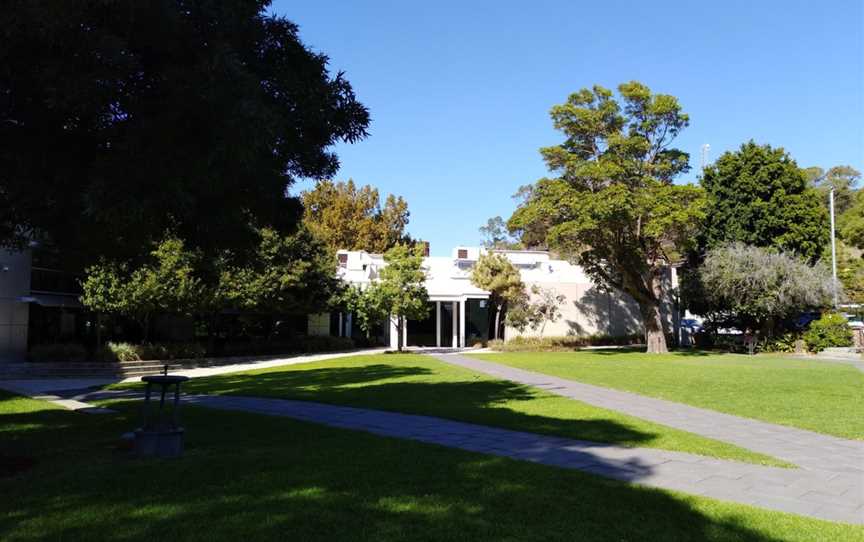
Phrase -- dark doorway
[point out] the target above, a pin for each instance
(447, 323)
(422, 332)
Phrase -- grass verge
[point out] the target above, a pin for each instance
(819, 396)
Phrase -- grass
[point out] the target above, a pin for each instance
(254, 477)
(823, 397)
(418, 384)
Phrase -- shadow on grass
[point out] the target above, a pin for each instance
(389, 387)
(264, 478)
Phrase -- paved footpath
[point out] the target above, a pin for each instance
(822, 494)
(806, 449)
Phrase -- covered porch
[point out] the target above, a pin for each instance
(453, 321)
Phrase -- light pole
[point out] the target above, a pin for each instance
(833, 249)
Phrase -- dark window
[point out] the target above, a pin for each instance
(426, 248)
(462, 254)
(343, 260)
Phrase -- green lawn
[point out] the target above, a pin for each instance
(254, 477)
(422, 385)
(819, 396)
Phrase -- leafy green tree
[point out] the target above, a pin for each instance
(843, 179)
(612, 205)
(757, 195)
(496, 274)
(102, 292)
(401, 291)
(757, 288)
(166, 283)
(850, 272)
(351, 218)
(366, 304)
(495, 235)
(120, 120)
(291, 274)
(850, 224)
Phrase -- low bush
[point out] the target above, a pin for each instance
(831, 330)
(150, 351)
(58, 352)
(783, 344)
(569, 342)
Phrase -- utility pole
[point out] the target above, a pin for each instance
(703, 156)
(833, 249)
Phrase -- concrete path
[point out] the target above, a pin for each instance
(806, 449)
(45, 386)
(823, 494)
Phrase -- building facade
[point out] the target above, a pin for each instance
(460, 313)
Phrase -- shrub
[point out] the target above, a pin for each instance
(783, 343)
(570, 342)
(828, 331)
(150, 351)
(58, 352)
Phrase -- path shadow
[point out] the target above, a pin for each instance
(403, 388)
(277, 479)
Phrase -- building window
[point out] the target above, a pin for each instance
(462, 254)
(343, 260)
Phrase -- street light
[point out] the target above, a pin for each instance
(833, 249)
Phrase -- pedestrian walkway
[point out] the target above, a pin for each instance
(822, 494)
(806, 449)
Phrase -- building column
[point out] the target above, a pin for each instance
(462, 323)
(404, 332)
(339, 331)
(438, 324)
(348, 320)
(394, 334)
(455, 317)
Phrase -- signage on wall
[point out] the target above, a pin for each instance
(482, 303)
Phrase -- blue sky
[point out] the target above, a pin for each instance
(459, 92)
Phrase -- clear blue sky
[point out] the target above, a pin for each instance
(459, 92)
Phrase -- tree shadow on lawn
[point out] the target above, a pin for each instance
(253, 477)
(487, 402)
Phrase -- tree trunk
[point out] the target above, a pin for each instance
(497, 322)
(655, 337)
(399, 323)
(98, 331)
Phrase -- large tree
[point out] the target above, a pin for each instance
(349, 217)
(612, 205)
(122, 119)
(757, 195)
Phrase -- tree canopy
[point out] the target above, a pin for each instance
(121, 120)
(843, 179)
(757, 288)
(757, 195)
(349, 217)
(495, 273)
(401, 290)
(612, 205)
(495, 235)
(850, 224)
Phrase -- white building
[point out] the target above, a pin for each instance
(460, 311)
